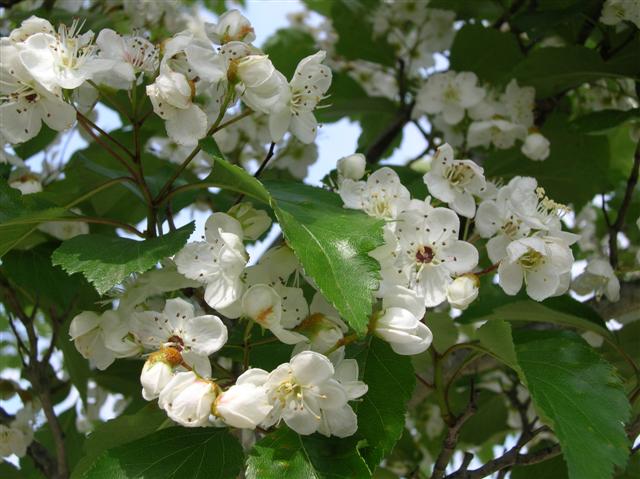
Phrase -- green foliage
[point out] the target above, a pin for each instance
(488, 53)
(286, 47)
(381, 414)
(604, 120)
(175, 452)
(574, 172)
(495, 336)
(285, 454)
(107, 260)
(332, 244)
(580, 396)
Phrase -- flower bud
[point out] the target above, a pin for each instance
(406, 334)
(243, 406)
(254, 222)
(535, 147)
(154, 377)
(463, 291)
(231, 26)
(188, 398)
(352, 166)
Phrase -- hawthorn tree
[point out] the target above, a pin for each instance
(468, 309)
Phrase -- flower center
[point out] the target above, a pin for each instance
(531, 259)
(459, 174)
(424, 255)
(177, 342)
(451, 94)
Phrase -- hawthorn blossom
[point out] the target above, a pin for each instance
(25, 103)
(244, 405)
(30, 26)
(535, 147)
(540, 262)
(264, 305)
(25, 181)
(231, 26)
(253, 222)
(382, 195)
(600, 278)
(299, 98)
(400, 322)
(519, 103)
(188, 398)
(63, 60)
(158, 371)
(501, 133)
(130, 55)
(352, 167)
(463, 291)
(455, 181)
(218, 262)
(16, 436)
(302, 390)
(616, 11)
(449, 93)
(429, 253)
(178, 327)
(261, 84)
(171, 96)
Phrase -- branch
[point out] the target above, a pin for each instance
(624, 207)
(451, 439)
(377, 149)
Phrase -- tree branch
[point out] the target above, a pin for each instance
(624, 207)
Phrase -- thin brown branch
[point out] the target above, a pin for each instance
(382, 143)
(93, 125)
(451, 439)
(622, 212)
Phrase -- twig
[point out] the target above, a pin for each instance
(624, 207)
(451, 438)
(260, 169)
(93, 125)
(377, 149)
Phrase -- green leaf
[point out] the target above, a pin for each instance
(332, 243)
(496, 337)
(579, 395)
(286, 47)
(488, 422)
(555, 70)
(603, 120)
(53, 286)
(575, 171)
(285, 454)
(487, 52)
(381, 414)
(107, 260)
(231, 177)
(529, 310)
(445, 332)
(37, 144)
(358, 43)
(198, 453)
(553, 468)
(118, 431)
(20, 215)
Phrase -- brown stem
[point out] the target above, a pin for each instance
(624, 207)
(451, 439)
(377, 149)
(93, 125)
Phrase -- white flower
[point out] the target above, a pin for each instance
(217, 262)
(99, 337)
(343, 422)
(16, 437)
(171, 96)
(296, 157)
(178, 327)
(64, 230)
(429, 253)
(231, 26)
(301, 390)
(540, 262)
(254, 222)
(463, 291)
(600, 278)
(455, 181)
(274, 268)
(381, 196)
(449, 93)
(299, 98)
(263, 304)
(63, 60)
(130, 55)
(262, 85)
(501, 133)
(188, 399)
(158, 371)
(519, 103)
(215, 66)
(30, 26)
(323, 328)
(400, 322)
(615, 11)
(25, 103)
(535, 147)
(244, 405)
(26, 181)
(352, 166)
